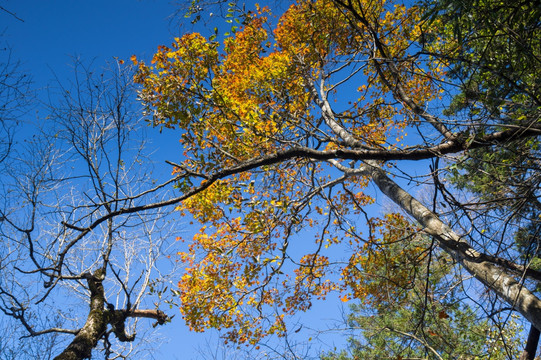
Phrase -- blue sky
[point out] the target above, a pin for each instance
(54, 32)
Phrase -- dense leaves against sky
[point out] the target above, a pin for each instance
(286, 122)
(294, 128)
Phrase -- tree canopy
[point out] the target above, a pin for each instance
(286, 124)
(379, 152)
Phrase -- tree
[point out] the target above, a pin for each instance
(411, 308)
(427, 332)
(64, 281)
(497, 74)
(14, 94)
(283, 131)
(490, 49)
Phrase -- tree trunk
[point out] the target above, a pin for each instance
(98, 318)
(531, 345)
(87, 338)
(491, 275)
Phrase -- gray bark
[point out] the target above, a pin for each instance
(495, 277)
(531, 344)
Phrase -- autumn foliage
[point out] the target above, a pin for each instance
(274, 122)
(251, 96)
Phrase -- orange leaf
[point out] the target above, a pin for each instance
(443, 315)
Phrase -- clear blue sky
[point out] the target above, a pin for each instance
(53, 32)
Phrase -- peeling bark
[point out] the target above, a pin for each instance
(491, 275)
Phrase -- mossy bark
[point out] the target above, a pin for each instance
(95, 326)
(99, 317)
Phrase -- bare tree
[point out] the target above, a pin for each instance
(87, 288)
(15, 98)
